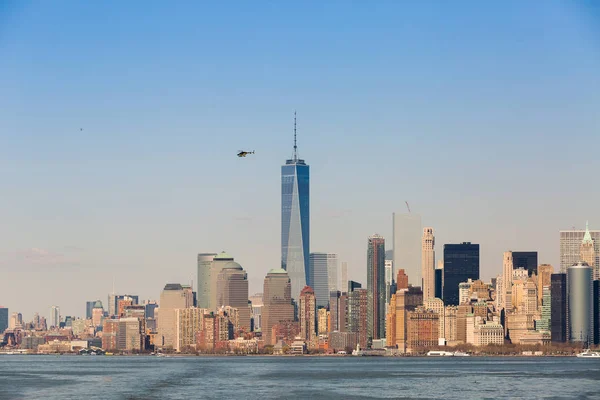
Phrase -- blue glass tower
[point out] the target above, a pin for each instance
(295, 220)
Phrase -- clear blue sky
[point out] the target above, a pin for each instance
(484, 116)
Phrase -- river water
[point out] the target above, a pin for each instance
(139, 377)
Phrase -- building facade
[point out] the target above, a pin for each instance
(174, 296)
(205, 261)
(320, 267)
(407, 245)
(558, 307)
(277, 302)
(570, 247)
(428, 263)
(232, 291)
(527, 260)
(308, 318)
(376, 287)
(461, 262)
(580, 306)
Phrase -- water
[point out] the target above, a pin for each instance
(80, 377)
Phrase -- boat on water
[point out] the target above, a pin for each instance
(439, 353)
(461, 354)
(589, 354)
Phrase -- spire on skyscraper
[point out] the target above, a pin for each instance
(295, 146)
(587, 237)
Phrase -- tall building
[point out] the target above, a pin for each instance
(174, 296)
(580, 306)
(527, 260)
(277, 301)
(308, 318)
(544, 273)
(320, 267)
(89, 306)
(3, 319)
(558, 308)
(389, 279)
(97, 313)
(597, 312)
(205, 261)
(507, 280)
(587, 253)
(232, 291)
(406, 300)
(407, 245)
(461, 262)
(218, 263)
(129, 335)
(55, 316)
(295, 219)
(344, 275)
(428, 263)
(357, 313)
(189, 324)
(376, 286)
(401, 280)
(439, 279)
(570, 247)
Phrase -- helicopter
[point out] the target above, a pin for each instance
(243, 153)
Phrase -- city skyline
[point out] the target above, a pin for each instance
(99, 185)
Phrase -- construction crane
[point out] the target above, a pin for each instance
(407, 206)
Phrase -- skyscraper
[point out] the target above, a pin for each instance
(3, 319)
(507, 280)
(428, 263)
(389, 279)
(587, 253)
(376, 286)
(544, 273)
(580, 307)
(357, 312)
(205, 261)
(173, 296)
(332, 271)
(527, 260)
(89, 306)
(570, 247)
(295, 219)
(407, 245)
(55, 316)
(277, 301)
(344, 275)
(319, 277)
(461, 262)
(308, 317)
(232, 290)
(558, 307)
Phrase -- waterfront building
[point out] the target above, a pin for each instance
(450, 324)
(376, 287)
(596, 312)
(407, 245)
(437, 306)
(174, 296)
(407, 300)
(423, 328)
(558, 308)
(543, 324)
(295, 220)
(277, 300)
(343, 341)
(189, 324)
(390, 322)
(357, 314)
(129, 336)
(205, 271)
(428, 263)
(461, 262)
(507, 280)
(308, 331)
(570, 247)
(519, 326)
(323, 316)
(232, 291)
(528, 260)
(3, 319)
(488, 333)
(322, 272)
(580, 305)
(110, 329)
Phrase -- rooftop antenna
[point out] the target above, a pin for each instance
(295, 146)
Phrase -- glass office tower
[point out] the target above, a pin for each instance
(461, 262)
(295, 220)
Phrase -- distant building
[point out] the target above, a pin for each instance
(189, 322)
(389, 279)
(527, 260)
(437, 306)
(597, 312)
(428, 263)
(461, 262)
(3, 319)
(407, 245)
(130, 335)
(174, 296)
(423, 328)
(342, 341)
(580, 307)
(588, 254)
(357, 314)
(544, 273)
(232, 290)
(308, 331)
(110, 329)
(277, 300)
(205, 271)
(55, 316)
(322, 315)
(344, 275)
(89, 306)
(337, 310)
(321, 265)
(439, 279)
(376, 287)
(570, 248)
(558, 308)
(404, 301)
(97, 314)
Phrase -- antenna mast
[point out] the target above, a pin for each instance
(295, 147)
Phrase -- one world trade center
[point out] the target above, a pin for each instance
(295, 220)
